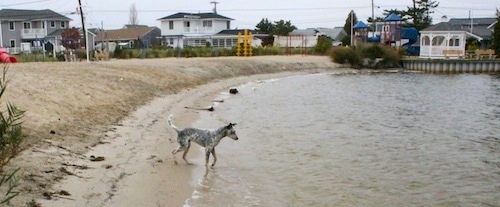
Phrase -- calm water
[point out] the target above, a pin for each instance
(357, 140)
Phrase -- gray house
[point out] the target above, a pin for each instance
(127, 37)
(26, 30)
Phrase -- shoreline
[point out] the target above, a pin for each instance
(128, 128)
(143, 182)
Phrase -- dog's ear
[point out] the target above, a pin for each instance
(230, 125)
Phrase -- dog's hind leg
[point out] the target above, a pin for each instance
(215, 157)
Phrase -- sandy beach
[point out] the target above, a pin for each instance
(97, 132)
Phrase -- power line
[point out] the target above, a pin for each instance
(31, 2)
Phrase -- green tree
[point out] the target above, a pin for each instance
(265, 26)
(277, 28)
(418, 15)
(280, 27)
(496, 35)
(347, 27)
(283, 28)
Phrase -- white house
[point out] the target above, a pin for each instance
(192, 29)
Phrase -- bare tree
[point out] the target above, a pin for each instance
(133, 20)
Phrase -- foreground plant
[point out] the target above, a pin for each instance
(10, 125)
(10, 140)
(12, 181)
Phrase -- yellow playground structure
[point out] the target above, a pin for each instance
(244, 47)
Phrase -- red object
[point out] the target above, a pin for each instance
(5, 57)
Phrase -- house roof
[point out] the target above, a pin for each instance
(444, 26)
(304, 32)
(184, 15)
(475, 21)
(392, 17)
(22, 14)
(360, 25)
(335, 33)
(124, 34)
(478, 30)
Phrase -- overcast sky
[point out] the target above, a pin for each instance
(113, 14)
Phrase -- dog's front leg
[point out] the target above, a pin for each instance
(207, 158)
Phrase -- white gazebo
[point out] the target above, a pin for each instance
(443, 41)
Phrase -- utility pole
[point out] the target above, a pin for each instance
(352, 30)
(373, 11)
(215, 5)
(84, 30)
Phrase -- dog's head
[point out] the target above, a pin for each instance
(230, 132)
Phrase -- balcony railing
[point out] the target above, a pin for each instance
(33, 33)
(198, 29)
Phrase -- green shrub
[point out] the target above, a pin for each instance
(371, 51)
(323, 45)
(81, 54)
(391, 58)
(366, 56)
(343, 55)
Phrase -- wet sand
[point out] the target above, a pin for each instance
(117, 111)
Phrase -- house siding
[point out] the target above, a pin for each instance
(29, 39)
(8, 35)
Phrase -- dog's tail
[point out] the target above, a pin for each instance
(170, 123)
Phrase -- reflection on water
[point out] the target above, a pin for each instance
(359, 140)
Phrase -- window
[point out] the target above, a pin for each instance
(27, 25)
(63, 24)
(12, 43)
(438, 40)
(43, 25)
(228, 25)
(170, 25)
(426, 40)
(207, 23)
(217, 43)
(12, 26)
(171, 41)
(52, 24)
(454, 41)
(187, 24)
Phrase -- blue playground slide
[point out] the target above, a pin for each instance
(409, 33)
